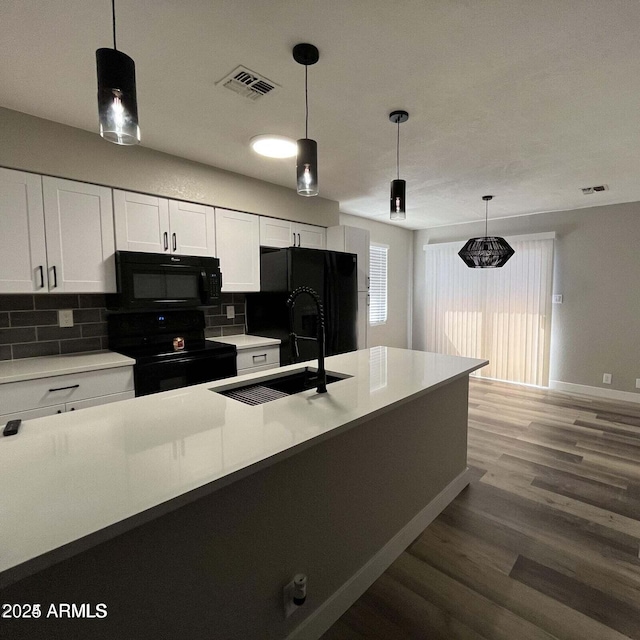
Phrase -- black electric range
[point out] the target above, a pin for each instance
(170, 349)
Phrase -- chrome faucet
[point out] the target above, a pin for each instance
(322, 374)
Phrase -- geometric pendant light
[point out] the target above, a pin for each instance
(307, 158)
(398, 199)
(117, 102)
(487, 252)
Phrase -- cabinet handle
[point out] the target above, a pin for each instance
(40, 268)
(73, 386)
(294, 239)
(72, 409)
(261, 358)
(299, 243)
(166, 241)
(175, 242)
(55, 277)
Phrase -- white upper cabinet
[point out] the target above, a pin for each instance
(352, 240)
(310, 236)
(157, 225)
(142, 222)
(79, 230)
(23, 254)
(55, 235)
(284, 233)
(192, 228)
(238, 248)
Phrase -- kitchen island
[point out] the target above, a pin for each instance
(187, 512)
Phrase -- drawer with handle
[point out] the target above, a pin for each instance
(258, 357)
(43, 392)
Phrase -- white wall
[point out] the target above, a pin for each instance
(396, 332)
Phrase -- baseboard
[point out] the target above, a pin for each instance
(598, 392)
(328, 613)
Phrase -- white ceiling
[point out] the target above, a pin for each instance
(528, 100)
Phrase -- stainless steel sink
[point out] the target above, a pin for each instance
(276, 386)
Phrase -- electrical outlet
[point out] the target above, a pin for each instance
(557, 298)
(637, 383)
(231, 312)
(606, 378)
(65, 317)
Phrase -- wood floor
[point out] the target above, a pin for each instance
(544, 543)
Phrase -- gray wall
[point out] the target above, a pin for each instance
(597, 261)
(41, 146)
(396, 332)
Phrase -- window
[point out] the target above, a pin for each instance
(501, 315)
(378, 284)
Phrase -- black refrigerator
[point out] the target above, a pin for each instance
(332, 274)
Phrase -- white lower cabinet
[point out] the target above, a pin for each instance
(238, 249)
(41, 397)
(258, 359)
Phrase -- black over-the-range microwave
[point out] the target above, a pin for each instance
(148, 281)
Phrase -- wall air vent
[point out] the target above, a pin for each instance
(589, 190)
(247, 83)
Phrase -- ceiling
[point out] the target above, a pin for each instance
(528, 100)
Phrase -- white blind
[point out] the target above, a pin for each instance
(502, 315)
(378, 284)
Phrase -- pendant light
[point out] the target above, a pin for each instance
(487, 252)
(307, 160)
(398, 200)
(117, 103)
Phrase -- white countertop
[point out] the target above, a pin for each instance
(70, 475)
(244, 341)
(30, 368)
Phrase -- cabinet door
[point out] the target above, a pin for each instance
(238, 248)
(276, 233)
(100, 400)
(141, 222)
(310, 236)
(79, 232)
(192, 229)
(23, 256)
(32, 413)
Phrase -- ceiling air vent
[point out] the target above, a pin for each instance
(589, 190)
(247, 83)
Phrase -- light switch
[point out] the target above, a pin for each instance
(231, 312)
(65, 317)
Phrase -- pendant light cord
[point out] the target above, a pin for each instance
(306, 103)
(486, 217)
(398, 151)
(113, 11)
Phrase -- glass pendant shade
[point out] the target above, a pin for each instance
(307, 167)
(117, 102)
(398, 199)
(488, 252)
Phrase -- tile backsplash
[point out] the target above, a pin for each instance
(29, 323)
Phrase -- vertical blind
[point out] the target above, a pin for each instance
(502, 315)
(378, 284)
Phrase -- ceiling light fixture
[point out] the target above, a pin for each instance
(307, 161)
(398, 200)
(487, 252)
(117, 103)
(273, 146)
